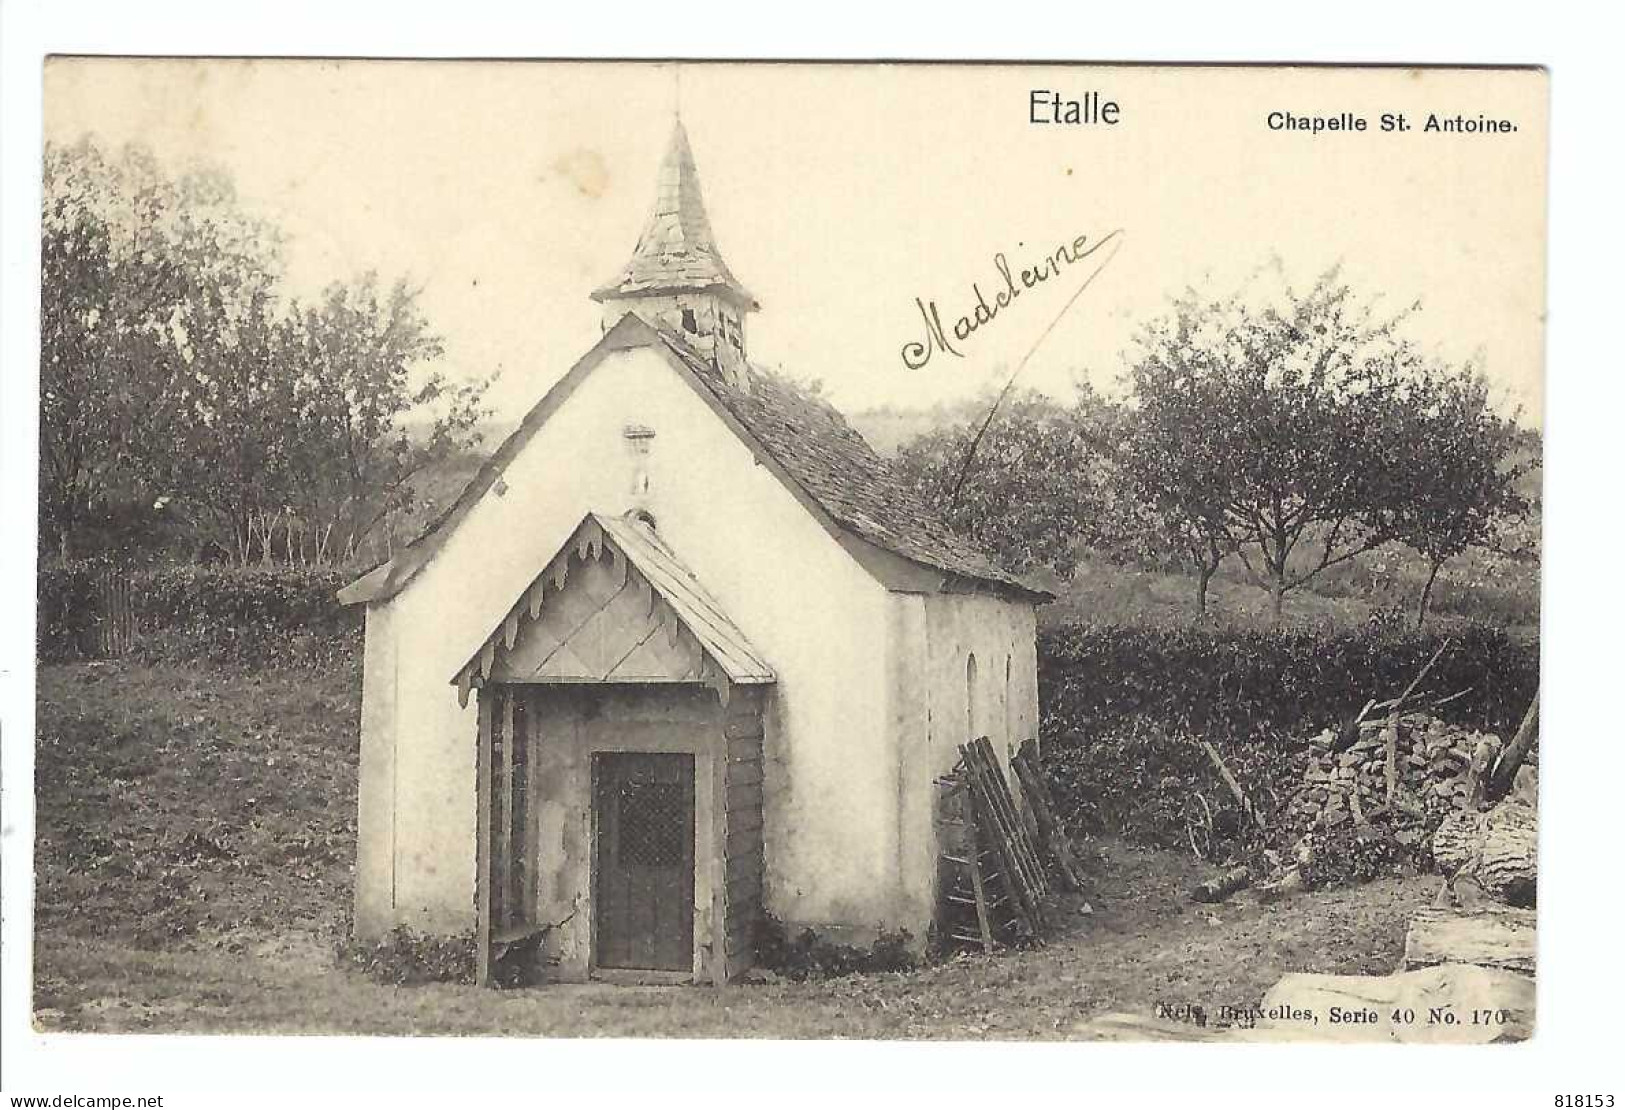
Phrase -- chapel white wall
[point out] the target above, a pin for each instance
(937, 712)
(831, 780)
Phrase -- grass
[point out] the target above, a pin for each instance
(1479, 589)
(193, 865)
(177, 801)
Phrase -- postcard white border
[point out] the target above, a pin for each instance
(1575, 1046)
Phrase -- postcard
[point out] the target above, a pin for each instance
(824, 550)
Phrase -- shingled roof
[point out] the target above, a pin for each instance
(808, 442)
(677, 250)
(835, 465)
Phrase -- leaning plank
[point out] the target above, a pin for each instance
(1003, 839)
(1242, 800)
(1506, 768)
(1023, 825)
(1050, 832)
(997, 791)
(984, 925)
(1492, 936)
(1026, 849)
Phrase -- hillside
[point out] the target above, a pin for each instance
(889, 428)
(176, 802)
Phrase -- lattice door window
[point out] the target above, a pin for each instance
(653, 824)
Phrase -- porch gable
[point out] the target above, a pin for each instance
(615, 605)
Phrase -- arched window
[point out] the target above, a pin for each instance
(973, 708)
(1010, 737)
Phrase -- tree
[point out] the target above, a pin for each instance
(1459, 475)
(359, 353)
(1180, 484)
(109, 294)
(177, 372)
(1038, 486)
(1259, 423)
(224, 410)
(1186, 529)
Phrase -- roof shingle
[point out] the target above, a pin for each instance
(836, 466)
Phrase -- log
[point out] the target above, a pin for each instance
(1508, 860)
(1493, 936)
(1455, 841)
(1220, 887)
(1288, 883)
(1525, 788)
(1506, 768)
(1497, 849)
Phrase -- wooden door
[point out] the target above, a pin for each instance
(644, 907)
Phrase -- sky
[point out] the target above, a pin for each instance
(842, 195)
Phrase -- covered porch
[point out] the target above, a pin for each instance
(619, 771)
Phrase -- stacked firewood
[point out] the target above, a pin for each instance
(1433, 774)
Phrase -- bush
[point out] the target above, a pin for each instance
(66, 608)
(403, 958)
(810, 956)
(1352, 854)
(1122, 709)
(1156, 786)
(281, 616)
(284, 616)
(1234, 684)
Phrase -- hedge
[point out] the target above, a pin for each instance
(1123, 708)
(249, 616)
(1233, 683)
(65, 609)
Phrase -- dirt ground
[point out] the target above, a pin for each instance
(1143, 943)
(193, 854)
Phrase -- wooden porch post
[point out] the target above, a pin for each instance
(482, 854)
(502, 789)
(719, 850)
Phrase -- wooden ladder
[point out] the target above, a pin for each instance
(990, 916)
(993, 881)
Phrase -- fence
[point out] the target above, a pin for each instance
(113, 624)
